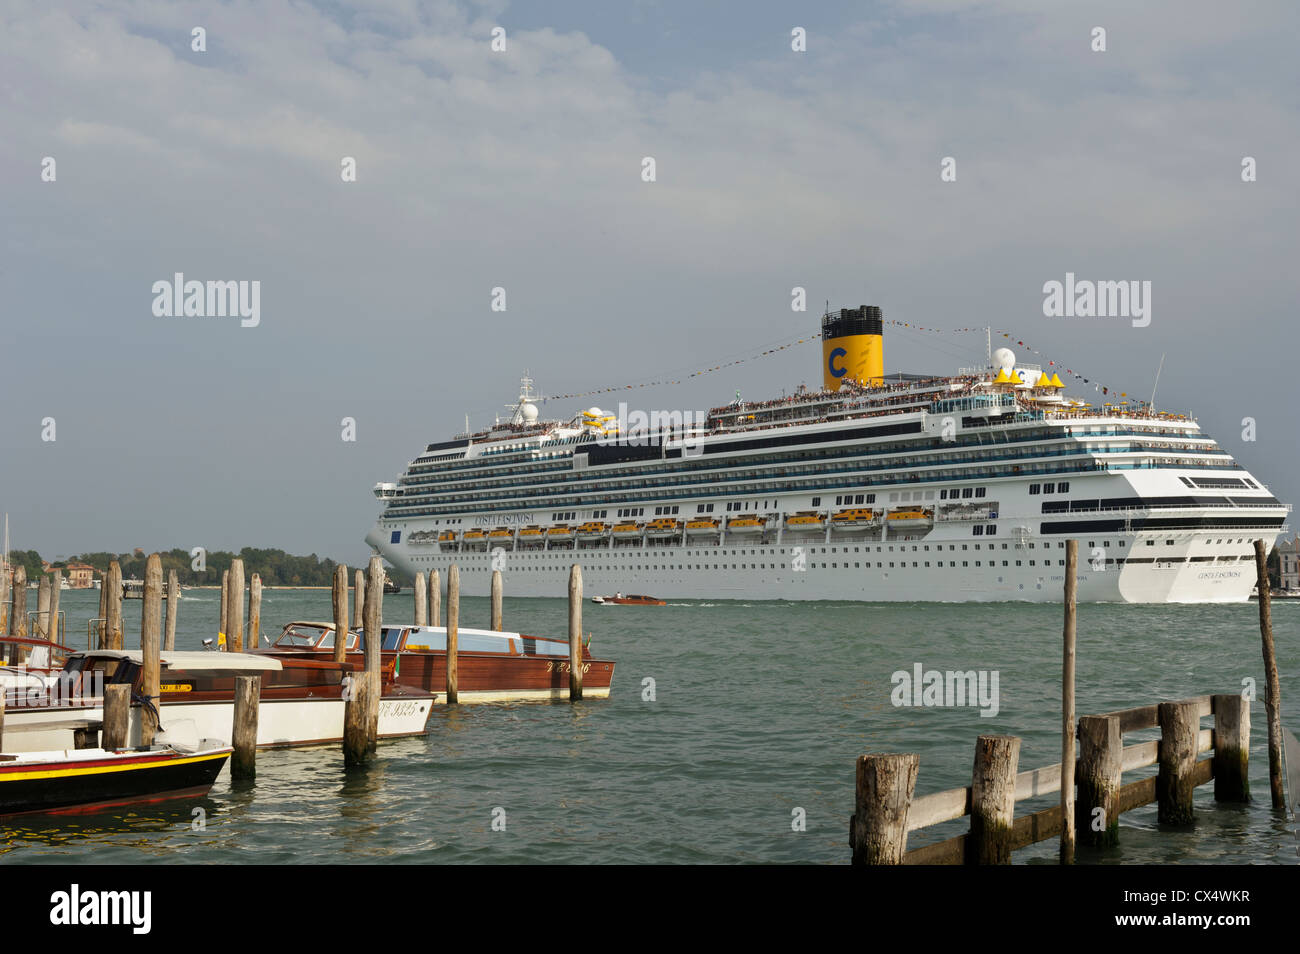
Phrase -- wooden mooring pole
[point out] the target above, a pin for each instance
(374, 646)
(150, 644)
(1180, 724)
(435, 598)
(1101, 747)
(224, 626)
(18, 614)
(1272, 689)
(340, 599)
(254, 612)
(494, 623)
(359, 601)
(575, 633)
(173, 607)
(1067, 702)
(117, 715)
(453, 633)
(878, 828)
(421, 594)
(5, 598)
(101, 627)
(1231, 748)
(235, 635)
(113, 618)
(361, 707)
(993, 799)
(243, 733)
(42, 628)
(56, 586)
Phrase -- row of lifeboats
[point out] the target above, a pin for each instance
(853, 520)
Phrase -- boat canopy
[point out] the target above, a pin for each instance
(183, 661)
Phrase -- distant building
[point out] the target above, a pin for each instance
(80, 576)
(1289, 552)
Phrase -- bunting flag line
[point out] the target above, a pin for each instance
(1056, 367)
(613, 389)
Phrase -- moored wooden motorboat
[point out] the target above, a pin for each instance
(82, 780)
(491, 666)
(302, 700)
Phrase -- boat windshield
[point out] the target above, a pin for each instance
(298, 636)
(328, 641)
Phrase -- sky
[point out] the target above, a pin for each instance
(522, 169)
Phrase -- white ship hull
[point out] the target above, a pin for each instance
(942, 563)
(280, 722)
(841, 574)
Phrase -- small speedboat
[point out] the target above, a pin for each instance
(631, 600)
(83, 780)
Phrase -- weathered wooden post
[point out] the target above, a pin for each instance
(1231, 748)
(359, 598)
(5, 598)
(878, 827)
(235, 638)
(2, 713)
(224, 626)
(993, 799)
(243, 734)
(435, 598)
(56, 585)
(255, 612)
(41, 629)
(101, 628)
(421, 599)
(340, 600)
(494, 622)
(117, 715)
(1273, 689)
(1179, 726)
(575, 632)
(374, 647)
(18, 615)
(150, 644)
(113, 623)
(173, 607)
(356, 702)
(453, 633)
(1101, 748)
(1067, 703)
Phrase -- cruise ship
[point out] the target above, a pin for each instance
(875, 488)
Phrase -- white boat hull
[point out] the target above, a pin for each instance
(280, 723)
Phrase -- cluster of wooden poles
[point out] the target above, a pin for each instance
(428, 594)
(47, 623)
(363, 690)
(886, 810)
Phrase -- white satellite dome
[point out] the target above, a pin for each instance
(1004, 358)
(529, 412)
(593, 412)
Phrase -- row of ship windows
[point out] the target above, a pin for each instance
(938, 564)
(476, 502)
(1025, 436)
(872, 455)
(1062, 487)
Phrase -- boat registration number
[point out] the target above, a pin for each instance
(175, 687)
(564, 667)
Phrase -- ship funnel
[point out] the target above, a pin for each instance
(853, 346)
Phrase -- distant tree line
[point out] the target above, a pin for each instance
(275, 567)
